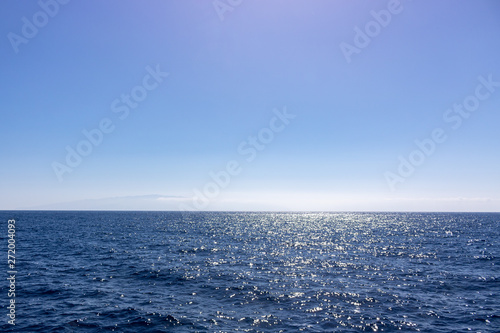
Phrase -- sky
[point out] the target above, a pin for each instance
(250, 105)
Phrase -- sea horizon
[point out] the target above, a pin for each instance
(249, 166)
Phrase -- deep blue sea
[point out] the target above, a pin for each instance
(252, 272)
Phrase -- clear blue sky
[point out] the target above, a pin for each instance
(231, 69)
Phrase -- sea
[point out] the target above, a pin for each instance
(90, 271)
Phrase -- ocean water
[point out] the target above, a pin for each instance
(253, 272)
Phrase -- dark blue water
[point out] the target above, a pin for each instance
(253, 272)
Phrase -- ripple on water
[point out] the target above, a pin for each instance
(258, 272)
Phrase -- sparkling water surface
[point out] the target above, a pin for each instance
(254, 272)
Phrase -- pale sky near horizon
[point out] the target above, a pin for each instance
(288, 104)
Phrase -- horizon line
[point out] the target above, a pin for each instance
(246, 211)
